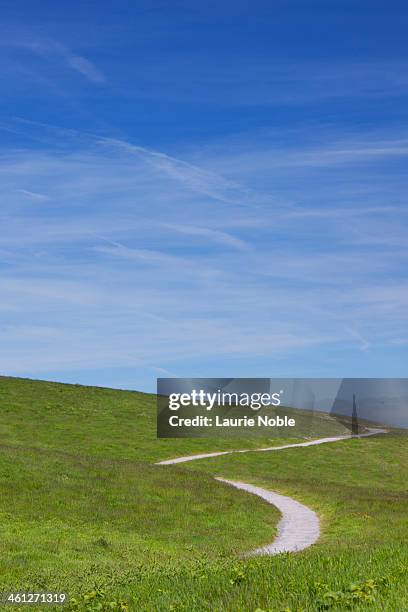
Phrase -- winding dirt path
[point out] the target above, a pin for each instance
(299, 526)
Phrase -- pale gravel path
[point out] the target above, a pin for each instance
(372, 432)
(297, 529)
(299, 526)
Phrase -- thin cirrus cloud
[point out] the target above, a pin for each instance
(192, 176)
(140, 258)
(52, 50)
(32, 195)
(330, 151)
(212, 235)
(83, 66)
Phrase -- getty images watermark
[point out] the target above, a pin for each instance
(271, 407)
(219, 407)
(208, 400)
(213, 401)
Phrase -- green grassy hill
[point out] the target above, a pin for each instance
(105, 422)
(83, 510)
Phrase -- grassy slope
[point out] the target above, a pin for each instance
(77, 486)
(359, 488)
(80, 503)
(103, 422)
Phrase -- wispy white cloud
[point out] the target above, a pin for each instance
(134, 261)
(145, 256)
(209, 234)
(192, 176)
(323, 151)
(83, 66)
(32, 195)
(363, 342)
(343, 155)
(342, 213)
(50, 49)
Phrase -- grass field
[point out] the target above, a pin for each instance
(84, 510)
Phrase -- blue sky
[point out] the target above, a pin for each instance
(203, 189)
